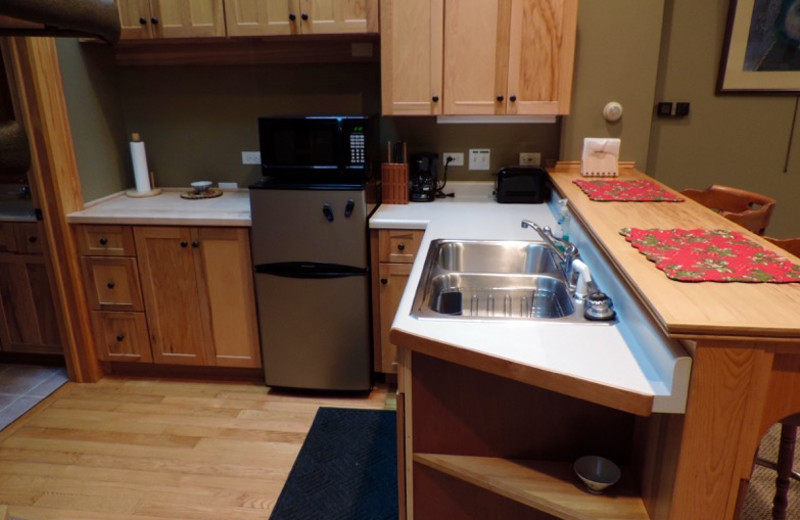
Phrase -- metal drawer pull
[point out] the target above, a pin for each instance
(110, 285)
(103, 241)
(401, 246)
(120, 337)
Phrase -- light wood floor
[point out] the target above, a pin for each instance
(153, 450)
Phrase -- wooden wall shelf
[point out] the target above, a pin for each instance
(249, 51)
(547, 486)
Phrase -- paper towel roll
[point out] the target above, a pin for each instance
(600, 157)
(140, 172)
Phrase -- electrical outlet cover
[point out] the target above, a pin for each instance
(251, 157)
(479, 158)
(458, 158)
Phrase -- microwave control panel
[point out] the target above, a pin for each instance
(357, 148)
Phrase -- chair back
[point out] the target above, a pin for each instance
(791, 245)
(748, 209)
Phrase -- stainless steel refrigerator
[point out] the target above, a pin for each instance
(310, 258)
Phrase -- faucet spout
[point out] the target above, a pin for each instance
(565, 251)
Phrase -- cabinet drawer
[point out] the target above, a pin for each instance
(28, 240)
(8, 239)
(112, 283)
(399, 245)
(121, 336)
(106, 241)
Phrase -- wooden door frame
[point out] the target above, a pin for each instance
(40, 105)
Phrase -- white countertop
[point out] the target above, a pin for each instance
(232, 208)
(629, 354)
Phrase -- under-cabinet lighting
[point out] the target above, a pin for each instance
(494, 119)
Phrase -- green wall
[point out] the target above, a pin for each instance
(738, 140)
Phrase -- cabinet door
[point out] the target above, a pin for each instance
(393, 278)
(121, 336)
(135, 19)
(188, 18)
(541, 54)
(178, 332)
(411, 56)
(476, 56)
(338, 16)
(225, 277)
(261, 17)
(28, 318)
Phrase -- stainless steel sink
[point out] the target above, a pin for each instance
(493, 280)
(479, 256)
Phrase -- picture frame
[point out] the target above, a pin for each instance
(761, 51)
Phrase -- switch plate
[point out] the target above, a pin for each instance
(664, 109)
(228, 185)
(530, 159)
(458, 158)
(682, 108)
(479, 158)
(251, 157)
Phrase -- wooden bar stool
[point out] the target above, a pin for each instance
(748, 209)
(783, 466)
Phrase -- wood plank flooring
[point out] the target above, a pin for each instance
(132, 449)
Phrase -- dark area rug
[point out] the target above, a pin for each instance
(346, 469)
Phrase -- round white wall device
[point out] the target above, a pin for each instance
(612, 111)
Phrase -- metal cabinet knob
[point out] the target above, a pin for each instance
(103, 241)
(110, 285)
(401, 246)
(500, 97)
(142, 20)
(32, 240)
(384, 281)
(154, 20)
(292, 17)
(304, 16)
(512, 99)
(195, 243)
(435, 99)
(120, 337)
(184, 243)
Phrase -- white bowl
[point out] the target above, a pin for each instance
(597, 472)
(201, 186)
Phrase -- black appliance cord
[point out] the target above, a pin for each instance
(440, 194)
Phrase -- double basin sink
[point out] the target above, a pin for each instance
(491, 280)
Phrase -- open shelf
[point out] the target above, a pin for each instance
(550, 487)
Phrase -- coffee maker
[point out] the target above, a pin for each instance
(422, 177)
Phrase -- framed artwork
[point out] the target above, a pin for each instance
(761, 52)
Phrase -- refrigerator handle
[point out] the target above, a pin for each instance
(327, 211)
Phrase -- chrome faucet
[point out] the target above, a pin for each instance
(565, 251)
(576, 273)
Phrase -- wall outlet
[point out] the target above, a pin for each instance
(530, 159)
(479, 158)
(458, 158)
(228, 185)
(251, 157)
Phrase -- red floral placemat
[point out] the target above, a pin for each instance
(711, 255)
(639, 190)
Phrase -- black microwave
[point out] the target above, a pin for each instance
(328, 148)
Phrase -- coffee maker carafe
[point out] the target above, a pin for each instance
(422, 177)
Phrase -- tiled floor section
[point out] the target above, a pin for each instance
(22, 386)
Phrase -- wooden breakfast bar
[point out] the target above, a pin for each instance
(485, 436)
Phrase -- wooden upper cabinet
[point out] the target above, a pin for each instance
(141, 19)
(509, 56)
(500, 56)
(412, 41)
(261, 17)
(338, 16)
(541, 56)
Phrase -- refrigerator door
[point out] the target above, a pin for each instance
(315, 331)
(327, 226)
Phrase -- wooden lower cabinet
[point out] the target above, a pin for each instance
(198, 292)
(171, 295)
(393, 252)
(28, 318)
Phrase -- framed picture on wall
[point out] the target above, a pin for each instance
(761, 52)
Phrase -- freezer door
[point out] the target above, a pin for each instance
(327, 226)
(314, 332)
